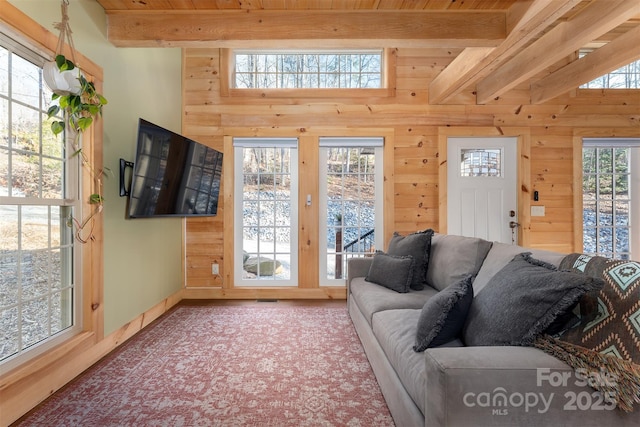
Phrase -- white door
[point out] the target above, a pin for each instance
(481, 188)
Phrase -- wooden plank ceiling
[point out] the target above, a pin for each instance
(500, 43)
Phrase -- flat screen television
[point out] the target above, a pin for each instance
(173, 175)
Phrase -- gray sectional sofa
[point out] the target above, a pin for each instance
(458, 385)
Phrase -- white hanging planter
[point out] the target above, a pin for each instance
(61, 82)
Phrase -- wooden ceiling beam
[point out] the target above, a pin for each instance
(293, 28)
(622, 51)
(526, 20)
(561, 41)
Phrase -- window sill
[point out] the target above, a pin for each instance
(311, 93)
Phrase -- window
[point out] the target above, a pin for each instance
(37, 198)
(256, 69)
(266, 216)
(611, 206)
(627, 77)
(480, 162)
(351, 198)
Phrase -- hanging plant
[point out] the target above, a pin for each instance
(76, 105)
(79, 109)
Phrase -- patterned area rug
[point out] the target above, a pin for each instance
(247, 365)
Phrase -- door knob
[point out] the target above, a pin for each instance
(513, 224)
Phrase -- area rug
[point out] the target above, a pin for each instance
(246, 365)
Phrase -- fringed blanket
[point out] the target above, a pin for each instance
(607, 338)
(617, 379)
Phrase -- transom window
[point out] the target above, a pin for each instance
(626, 77)
(37, 198)
(318, 69)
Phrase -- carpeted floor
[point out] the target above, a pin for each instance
(247, 365)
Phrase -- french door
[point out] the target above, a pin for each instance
(267, 208)
(266, 214)
(351, 177)
(610, 199)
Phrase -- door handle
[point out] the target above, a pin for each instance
(513, 224)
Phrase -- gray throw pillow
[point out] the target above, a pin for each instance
(443, 315)
(418, 246)
(521, 301)
(393, 272)
(500, 255)
(453, 258)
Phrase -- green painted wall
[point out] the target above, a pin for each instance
(143, 259)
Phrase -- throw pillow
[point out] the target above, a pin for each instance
(444, 314)
(521, 301)
(418, 246)
(452, 258)
(615, 327)
(393, 272)
(501, 253)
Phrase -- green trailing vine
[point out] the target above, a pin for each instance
(79, 111)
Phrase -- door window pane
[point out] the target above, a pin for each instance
(480, 162)
(265, 203)
(351, 184)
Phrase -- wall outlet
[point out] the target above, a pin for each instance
(215, 268)
(537, 210)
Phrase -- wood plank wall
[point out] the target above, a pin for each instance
(210, 112)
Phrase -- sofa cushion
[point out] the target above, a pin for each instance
(443, 315)
(416, 245)
(371, 298)
(453, 258)
(392, 272)
(500, 255)
(396, 332)
(521, 301)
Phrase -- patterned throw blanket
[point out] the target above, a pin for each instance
(607, 337)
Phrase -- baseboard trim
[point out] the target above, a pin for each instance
(327, 293)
